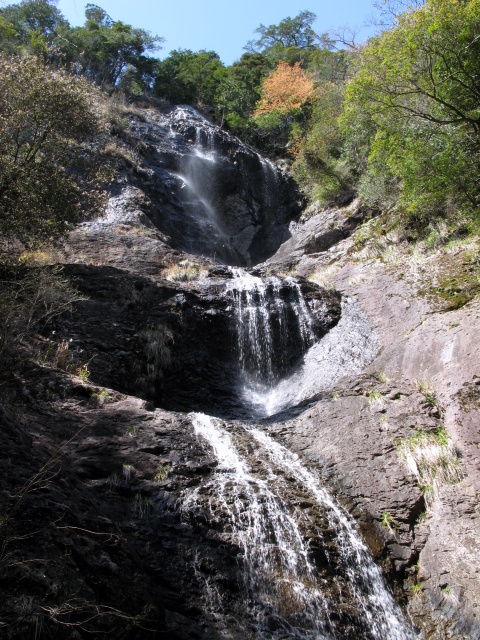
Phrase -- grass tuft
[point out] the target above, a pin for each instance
(433, 459)
(324, 277)
(185, 271)
(163, 471)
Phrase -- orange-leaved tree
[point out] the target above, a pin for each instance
(287, 88)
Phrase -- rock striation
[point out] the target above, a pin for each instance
(205, 190)
(116, 515)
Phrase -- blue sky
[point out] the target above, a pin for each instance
(224, 26)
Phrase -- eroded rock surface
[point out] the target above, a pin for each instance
(429, 338)
(208, 193)
(98, 539)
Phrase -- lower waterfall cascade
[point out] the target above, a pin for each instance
(297, 579)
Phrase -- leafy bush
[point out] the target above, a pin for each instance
(49, 175)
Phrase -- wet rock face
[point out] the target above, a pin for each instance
(209, 193)
(177, 346)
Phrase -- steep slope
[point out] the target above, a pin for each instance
(112, 518)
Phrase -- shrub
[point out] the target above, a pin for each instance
(29, 300)
(49, 175)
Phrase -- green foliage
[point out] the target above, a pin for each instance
(112, 53)
(83, 373)
(48, 174)
(320, 169)
(189, 78)
(417, 85)
(389, 521)
(291, 40)
(374, 396)
(397, 121)
(239, 92)
(163, 471)
(8, 36)
(104, 397)
(382, 376)
(29, 26)
(142, 505)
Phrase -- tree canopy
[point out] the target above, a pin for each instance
(189, 77)
(419, 83)
(104, 50)
(290, 32)
(47, 175)
(397, 119)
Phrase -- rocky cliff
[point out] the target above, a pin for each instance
(113, 516)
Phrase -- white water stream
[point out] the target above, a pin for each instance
(268, 505)
(255, 491)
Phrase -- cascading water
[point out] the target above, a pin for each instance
(214, 195)
(345, 350)
(271, 318)
(305, 572)
(303, 569)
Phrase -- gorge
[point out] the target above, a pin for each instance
(241, 460)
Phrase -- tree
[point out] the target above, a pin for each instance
(107, 49)
(292, 40)
(41, 16)
(418, 83)
(286, 95)
(240, 90)
(291, 32)
(427, 66)
(32, 26)
(189, 77)
(319, 167)
(48, 177)
(286, 89)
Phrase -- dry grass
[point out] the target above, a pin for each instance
(37, 258)
(121, 153)
(433, 459)
(185, 271)
(325, 277)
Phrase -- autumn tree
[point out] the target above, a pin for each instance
(286, 89)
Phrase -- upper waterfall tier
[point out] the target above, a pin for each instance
(208, 192)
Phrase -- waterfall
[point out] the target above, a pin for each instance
(346, 350)
(296, 566)
(272, 320)
(257, 491)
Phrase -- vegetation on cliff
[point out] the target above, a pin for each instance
(396, 119)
